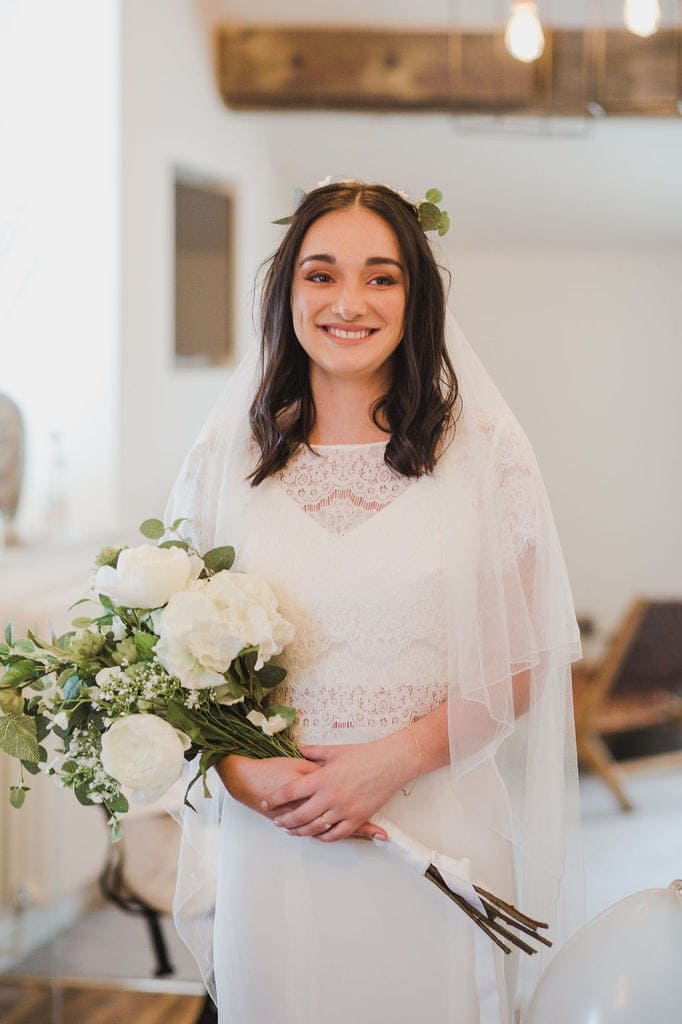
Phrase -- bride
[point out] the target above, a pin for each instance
(363, 462)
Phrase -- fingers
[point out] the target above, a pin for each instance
(316, 752)
(370, 831)
(296, 789)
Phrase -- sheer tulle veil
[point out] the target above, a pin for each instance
(512, 636)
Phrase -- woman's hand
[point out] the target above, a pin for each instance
(352, 782)
(249, 780)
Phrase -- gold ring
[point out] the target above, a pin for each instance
(326, 823)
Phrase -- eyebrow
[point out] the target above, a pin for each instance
(371, 261)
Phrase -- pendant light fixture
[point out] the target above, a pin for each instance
(523, 37)
(642, 16)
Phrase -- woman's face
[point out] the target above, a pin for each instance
(348, 294)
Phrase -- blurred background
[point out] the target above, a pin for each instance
(146, 149)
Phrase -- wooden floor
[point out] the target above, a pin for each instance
(43, 1004)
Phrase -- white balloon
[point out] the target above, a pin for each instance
(623, 967)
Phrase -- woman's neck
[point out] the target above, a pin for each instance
(343, 410)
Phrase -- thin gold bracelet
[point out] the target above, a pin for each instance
(410, 729)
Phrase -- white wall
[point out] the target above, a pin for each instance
(586, 347)
(59, 210)
(173, 116)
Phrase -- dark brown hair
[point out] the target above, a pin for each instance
(418, 406)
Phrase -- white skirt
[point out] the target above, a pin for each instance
(344, 933)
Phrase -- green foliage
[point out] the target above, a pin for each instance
(11, 702)
(18, 737)
(434, 195)
(17, 795)
(9, 634)
(175, 544)
(270, 675)
(115, 831)
(72, 687)
(145, 644)
(108, 556)
(117, 804)
(219, 559)
(20, 671)
(152, 528)
(281, 709)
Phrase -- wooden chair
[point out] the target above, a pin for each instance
(636, 685)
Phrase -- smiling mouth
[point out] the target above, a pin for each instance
(359, 334)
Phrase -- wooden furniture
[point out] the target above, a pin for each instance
(636, 685)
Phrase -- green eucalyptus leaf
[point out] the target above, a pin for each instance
(83, 600)
(18, 737)
(444, 225)
(152, 528)
(9, 634)
(31, 767)
(17, 795)
(280, 220)
(177, 522)
(218, 559)
(81, 622)
(429, 216)
(72, 687)
(175, 544)
(434, 195)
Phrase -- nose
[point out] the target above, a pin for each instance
(349, 303)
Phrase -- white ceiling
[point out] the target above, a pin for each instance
(519, 181)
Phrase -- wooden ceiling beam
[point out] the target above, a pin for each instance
(271, 68)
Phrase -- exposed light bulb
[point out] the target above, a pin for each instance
(642, 16)
(523, 36)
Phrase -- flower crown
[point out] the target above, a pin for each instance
(431, 217)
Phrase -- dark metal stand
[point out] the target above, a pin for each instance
(113, 887)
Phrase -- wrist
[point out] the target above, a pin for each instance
(403, 752)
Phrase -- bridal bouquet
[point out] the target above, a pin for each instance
(175, 664)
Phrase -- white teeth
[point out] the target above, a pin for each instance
(336, 333)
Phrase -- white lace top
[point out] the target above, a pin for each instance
(352, 550)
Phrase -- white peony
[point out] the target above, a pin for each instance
(146, 576)
(145, 753)
(250, 610)
(203, 629)
(268, 725)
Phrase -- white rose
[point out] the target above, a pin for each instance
(268, 725)
(146, 576)
(250, 612)
(145, 753)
